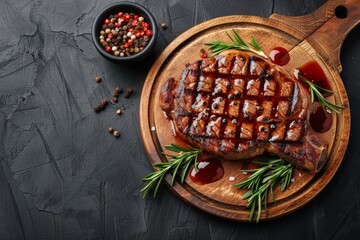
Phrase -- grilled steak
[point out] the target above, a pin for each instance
(239, 106)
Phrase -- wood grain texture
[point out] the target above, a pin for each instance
(322, 27)
(221, 198)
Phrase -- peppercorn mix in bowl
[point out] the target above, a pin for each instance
(124, 32)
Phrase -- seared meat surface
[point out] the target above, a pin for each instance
(238, 106)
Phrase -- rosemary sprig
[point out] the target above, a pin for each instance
(315, 90)
(262, 182)
(182, 160)
(217, 47)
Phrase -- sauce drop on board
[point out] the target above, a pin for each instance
(279, 56)
(320, 120)
(210, 170)
(313, 72)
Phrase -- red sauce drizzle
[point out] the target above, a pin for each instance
(320, 120)
(210, 170)
(313, 72)
(279, 56)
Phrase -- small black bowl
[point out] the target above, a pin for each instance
(129, 7)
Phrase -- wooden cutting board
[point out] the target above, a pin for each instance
(317, 36)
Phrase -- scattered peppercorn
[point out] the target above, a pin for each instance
(116, 133)
(101, 106)
(98, 79)
(105, 102)
(125, 34)
(118, 112)
(111, 130)
(164, 25)
(97, 109)
(119, 90)
(129, 92)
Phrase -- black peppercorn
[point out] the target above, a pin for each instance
(129, 92)
(119, 89)
(97, 109)
(98, 79)
(105, 102)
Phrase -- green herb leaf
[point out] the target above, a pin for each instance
(255, 44)
(238, 43)
(262, 183)
(315, 90)
(182, 161)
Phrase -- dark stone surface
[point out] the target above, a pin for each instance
(62, 176)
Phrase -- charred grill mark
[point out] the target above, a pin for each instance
(226, 107)
(214, 97)
(259, 109)
(294, 98)
(211, 100)
(192, 69)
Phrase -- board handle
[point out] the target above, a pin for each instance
(326, 27)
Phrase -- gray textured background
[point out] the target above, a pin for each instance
(62, 176)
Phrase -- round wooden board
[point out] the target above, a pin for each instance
(221, 198)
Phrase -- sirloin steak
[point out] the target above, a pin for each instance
(239, 106)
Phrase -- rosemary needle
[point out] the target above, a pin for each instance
(180, 161)
(262, 182)
(315, 90)
(238, 43)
